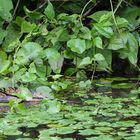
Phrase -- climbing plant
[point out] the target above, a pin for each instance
(45, 43)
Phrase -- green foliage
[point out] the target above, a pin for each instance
(40, 45)
(42, 48)
(77, 45)
(5, 8)
(49, 11)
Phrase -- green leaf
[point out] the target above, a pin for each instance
(85, 61)
(32, 68)
(45, 91)
(12, 38)
(38, 67)
(133, 48)
(85, 84)
(56, 66)
(77, 45)
(5, 83)
(28, 77)
(65, 130)
(41, 70)
(58, 34)
(4, 63)
(54, 106)
(55, 59)
(106, 17)
(122, 22)
(101, 61)
(52, 53)
(27, 27)
(85, 33)
(49, 11)
(87, 132)
(108, 56)
(57, 76)
(33, 14)
(97, 15)
(99, 57)
(3, 33)
(103, 30)
(29, 51)
(116, 43)
(44, 135)
(131, 14)
(98, 42)
(5, 7)
(24, 94)
(102, 137)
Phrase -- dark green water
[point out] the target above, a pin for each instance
(108, 110)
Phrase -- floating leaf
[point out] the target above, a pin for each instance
(65, 130)
(54, 106)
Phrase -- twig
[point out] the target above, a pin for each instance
(94, 70)
(42, 5)
(128, 3)
(81, 15)
(118, 6)
(15, 10)
(89, 10)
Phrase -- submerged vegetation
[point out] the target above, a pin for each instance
(55, 52)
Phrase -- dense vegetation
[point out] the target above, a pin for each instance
(39, 42)
(52, 48)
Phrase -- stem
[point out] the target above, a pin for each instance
(42, 5)
(89, 10)
(94, 69)
(15, 10)
(118, 5)
(83, 11)
(94, 63)
(13, 77)
(113, 16)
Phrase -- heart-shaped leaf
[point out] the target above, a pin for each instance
(29, 51)
(28, 77)
(77, 45)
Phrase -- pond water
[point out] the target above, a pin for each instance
(108, 110)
